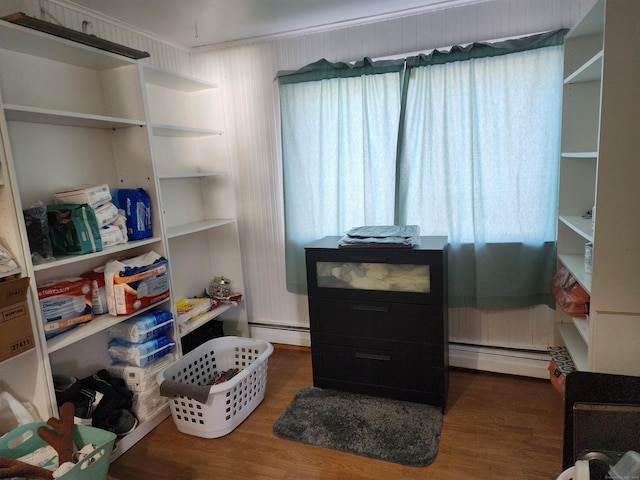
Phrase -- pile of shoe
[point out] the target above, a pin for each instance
(99, 400)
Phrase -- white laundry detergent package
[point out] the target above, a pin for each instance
(94, 195)
(142, 327)
(140, 354)
(65, 304)
(136, 283)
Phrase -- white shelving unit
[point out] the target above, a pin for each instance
(196, 191)
(599, 166)
(72, 115)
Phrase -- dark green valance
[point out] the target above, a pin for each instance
(483, 49)
(324, 69)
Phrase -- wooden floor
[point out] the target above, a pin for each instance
(496, 427)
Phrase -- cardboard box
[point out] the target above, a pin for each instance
(16, 334)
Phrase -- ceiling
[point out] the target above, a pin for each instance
(193, 23)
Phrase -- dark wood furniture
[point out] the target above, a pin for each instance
(379, 319)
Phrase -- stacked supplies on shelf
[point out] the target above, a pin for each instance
(96, 219)
(64, 304)
(86, 219)
(136, 283)
(140, 349)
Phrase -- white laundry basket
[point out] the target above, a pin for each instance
(229, 403)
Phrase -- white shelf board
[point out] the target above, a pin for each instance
(575, 265)
(582, 326)
(40, 44)
(165, 78)
(182, 176)
(590, 71)
(189, 327)
(15, 271)
(97, 324)
(195, 227)
(179, 131)
(582, 226)
(21, 113)
(591, 23)
(575, 344)
(64, 260)
(586, 155)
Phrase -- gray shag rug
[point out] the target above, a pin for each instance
(391, 430)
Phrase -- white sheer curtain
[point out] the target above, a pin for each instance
(479, 163)
(480, 149)
(340, 159)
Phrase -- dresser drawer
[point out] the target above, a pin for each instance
(394, 374)
(357, 323)
(385, 274)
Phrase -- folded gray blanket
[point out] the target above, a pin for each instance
(382, 235)
(171, 389)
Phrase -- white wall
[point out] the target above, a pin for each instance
(247, 72)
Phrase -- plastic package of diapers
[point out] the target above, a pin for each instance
(73, 229)
(136, 205)
(140, 354)
(136, 283)
(142, 327)
(65, 304)
(93, 195)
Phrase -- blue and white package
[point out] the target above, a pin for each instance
(142, 327)
(140, 354)
(136, 205)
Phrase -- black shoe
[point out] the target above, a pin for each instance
(120, 422)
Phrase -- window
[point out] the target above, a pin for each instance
(467, 148)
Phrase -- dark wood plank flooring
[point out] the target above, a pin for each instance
(496, 427)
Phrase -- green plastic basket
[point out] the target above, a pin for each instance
(95, 466)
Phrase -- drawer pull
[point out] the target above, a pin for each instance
(370, 308)
(373, 356)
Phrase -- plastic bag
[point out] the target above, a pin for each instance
(569, 294)
(73, 229)
(14, 414)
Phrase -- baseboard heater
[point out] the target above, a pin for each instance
(528, 363)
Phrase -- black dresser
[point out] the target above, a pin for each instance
(379, 319)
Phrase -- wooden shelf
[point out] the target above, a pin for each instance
(98, 324)
(575, 265)
(184, 176)
(582, 226)
(195, 227)
(32, 42)
(190, 326)
(173, 81)
(69, 259)
(575, 344)
(590, 71)
(179, 131)
(20, 113)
